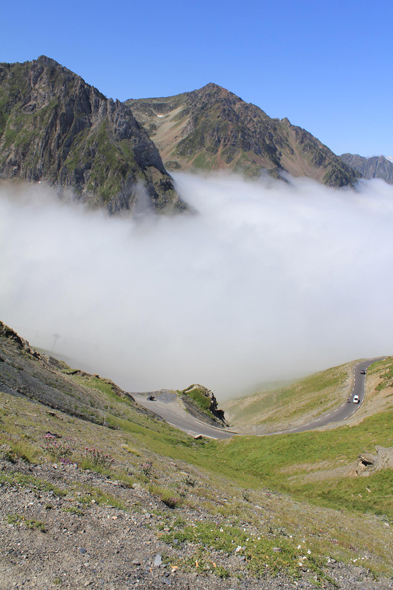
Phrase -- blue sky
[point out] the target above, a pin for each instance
(327, 66)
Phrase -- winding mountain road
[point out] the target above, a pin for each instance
(347, 408)
(167, 405)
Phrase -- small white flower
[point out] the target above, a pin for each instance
(299, 546)
(309, 552)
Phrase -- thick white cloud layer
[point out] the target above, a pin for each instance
(269, 281)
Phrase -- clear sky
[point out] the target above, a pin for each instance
(326, 65)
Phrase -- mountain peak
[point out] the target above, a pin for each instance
(211, 128)
(216, 90)
(47, 61)
(213, 86)
(374, 167)
(65, 132)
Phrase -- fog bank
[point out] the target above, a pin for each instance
(269, 281)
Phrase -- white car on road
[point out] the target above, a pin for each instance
(356, 399)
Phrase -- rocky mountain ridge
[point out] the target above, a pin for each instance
(212, 128)
(374, 167)
(56, 128)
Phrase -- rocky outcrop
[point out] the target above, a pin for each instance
(201, 403)
(212, 128)
(375, 167)
(56, 128)
(369, 463)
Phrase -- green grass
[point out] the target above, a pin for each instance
(312, 395)
(202, 401)
(159, 437)
(101, 385)
(262, 555)
(281, 461)
(17, 519)
(73, 510)
(384, 369)
(94, 495)
(28, 481)
(166, 495)
(371, 494)
(20, 450)
(202, 161)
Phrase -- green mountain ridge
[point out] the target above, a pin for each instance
(212, 129)
(56, 128)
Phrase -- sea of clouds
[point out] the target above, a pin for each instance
(269, 280)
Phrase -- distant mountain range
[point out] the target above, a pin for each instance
(212, 129)
(375, 167)
(56, 128)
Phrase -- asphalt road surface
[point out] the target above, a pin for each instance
(167, 405)
(348, 407)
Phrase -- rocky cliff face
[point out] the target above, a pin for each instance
(375, 167)
(57, 128)
(211, 129)
(201, 403)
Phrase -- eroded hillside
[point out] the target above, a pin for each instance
(213, 129)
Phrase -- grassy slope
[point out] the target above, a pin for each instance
(198, 397)
(285, 462)
(216, 472)
(296, 403)
(223, 469)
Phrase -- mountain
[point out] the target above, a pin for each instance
(56, 128)
(375, 167)
(211, 129)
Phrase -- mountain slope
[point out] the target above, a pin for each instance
(133, 500)
(375, 167)
(26, 373)
(57, 128)
(211, 129)
(292, 405)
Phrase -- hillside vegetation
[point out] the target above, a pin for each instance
(251, 507)
(292, 405)
(202, 403)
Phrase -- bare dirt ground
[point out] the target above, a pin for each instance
(53, 541)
